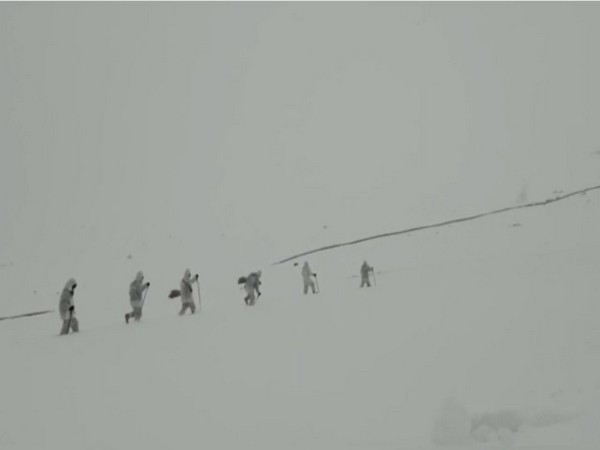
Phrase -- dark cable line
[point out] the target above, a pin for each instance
(441, 224)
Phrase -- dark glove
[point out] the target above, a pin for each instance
(74, 286)
(315, 275)
(71, 308)
(258, 294)
(148, 284)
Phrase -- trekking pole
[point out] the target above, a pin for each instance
(198, 286)
(144, 299)
(374, 280)
(317, 280)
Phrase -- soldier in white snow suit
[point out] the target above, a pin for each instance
(187, 299)
(66, 308)
(251, 286)
(365, 269)
(136, 290)
(307, 275)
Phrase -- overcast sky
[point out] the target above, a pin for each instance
(218, 135)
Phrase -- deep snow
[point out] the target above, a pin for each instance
(481, 325)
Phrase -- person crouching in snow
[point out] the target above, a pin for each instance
(136, 290)
(187, 299)
(66, 308)
(251, 286)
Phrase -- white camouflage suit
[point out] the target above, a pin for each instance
(307, 275)
(66, 308)
(187, 298)
(365, 269)
(251, 286)
(136, 291)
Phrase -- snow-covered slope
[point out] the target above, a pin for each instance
(484, 334)
(224, 137)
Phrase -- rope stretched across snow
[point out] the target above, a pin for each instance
(18, 316)
(442, 224)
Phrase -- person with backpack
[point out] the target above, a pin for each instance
(66, 308)
(136, 290)
(251, 286)
(186, 292)
(365, 270)
(307, 275)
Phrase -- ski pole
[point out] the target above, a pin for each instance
(374, 280)
(317, 280)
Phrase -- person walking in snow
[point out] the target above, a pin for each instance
(187, 298)
(251, 286)
(66, 308)
(365, 270)
(136, 290)
(307, 275)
